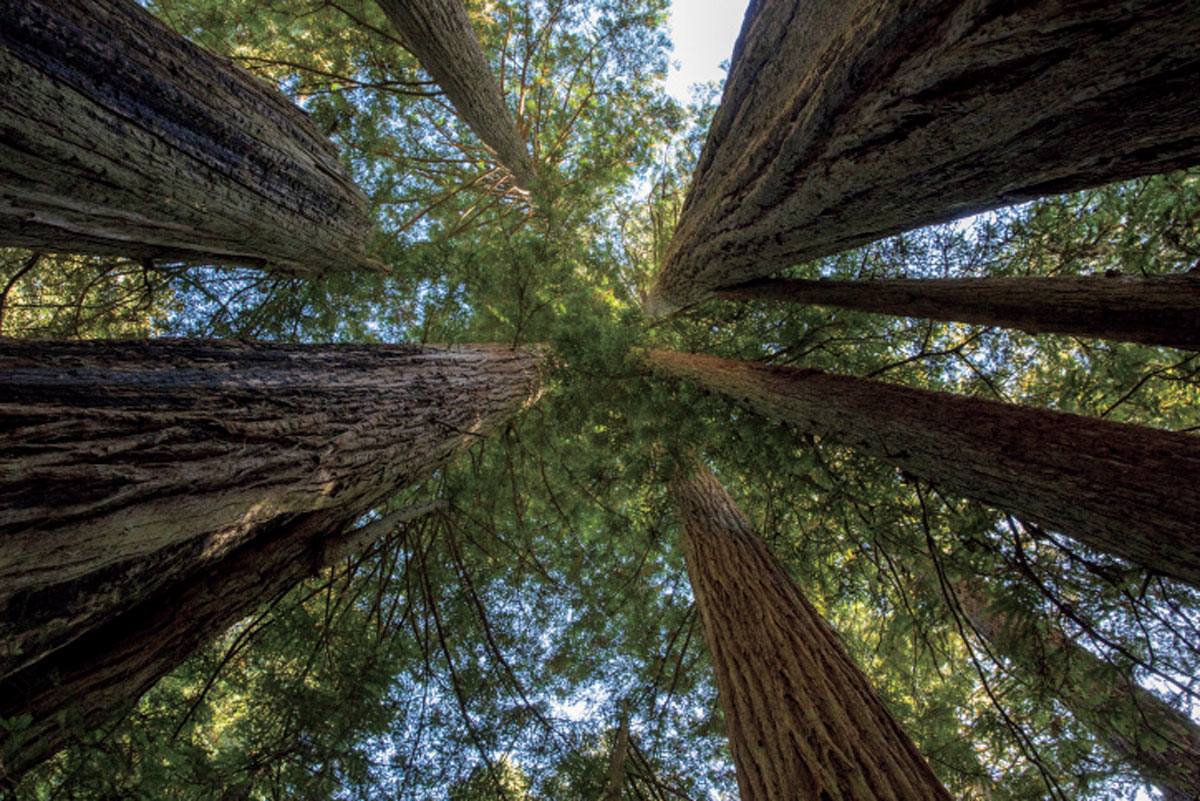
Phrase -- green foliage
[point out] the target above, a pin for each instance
(490, 650)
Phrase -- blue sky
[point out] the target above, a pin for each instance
(704, 32)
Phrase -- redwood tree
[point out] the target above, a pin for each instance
(118, 136)
(131, 466)
(1153, 310)
(842, 123)
(1161, 743)
(439, 34)
(92, 680)
(1128, 490)
(803, 721)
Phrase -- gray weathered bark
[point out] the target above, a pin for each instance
(803, 721)
(127, 466)
(1127, 490)
(94, 679)
(844, 122)
(1152, 310)
(1164, 747)
(120, 137)
(439, 34)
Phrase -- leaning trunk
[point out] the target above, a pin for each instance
(1098, 481)
(1153, 310)
(803, 721)
(1164, 744)
(96, 678)
(127, 466)
(439, 34)
(120, 137)
(844, 122)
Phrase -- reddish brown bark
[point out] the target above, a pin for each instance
(127, 466)
(118, 136)
(1128, 490)
(1163, 745)
(1153, 310)
(95, 678)
(803, 722)
(845, 122)
(439, 34)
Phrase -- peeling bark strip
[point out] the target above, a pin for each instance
(1127, 490)
(1152, 310)
(844, 122)
(439, 34)
(126, 466)
(803, 721)
(118, 136)
(94, 679)
(1163, 747)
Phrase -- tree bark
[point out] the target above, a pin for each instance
(842, 123)
(120, 137)
(439, 34)
(96, 678)
(127, 466)
(1127, 490)
(1153, 310)
(803, 722)
(1164, 748)
(616, 762)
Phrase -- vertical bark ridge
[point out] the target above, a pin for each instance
(121, 137)
(803, 722)
(1153, 310)
(1098, 481)
(439, 34)
(842, 123)
(1165, 747)
(127, 465)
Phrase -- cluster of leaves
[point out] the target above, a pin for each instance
(490, 650)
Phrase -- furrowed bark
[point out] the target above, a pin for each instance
(616, 762)
(1153, 310)
(803, 721)
(439, 34)
(842, 123)
(1127, 490)
(120, 137)
(94, 679)
(1164, 748)
(127, 466)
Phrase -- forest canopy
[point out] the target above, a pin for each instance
(532, 632)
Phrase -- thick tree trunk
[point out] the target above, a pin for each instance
(616, 762)
(845, 122)
(803, 721)
(118, 136)
(1164, 745)
(94, 679)
(127, 466)
(439, 34)
(1153, 310)
(1128, 490)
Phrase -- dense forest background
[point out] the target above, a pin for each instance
(503, 646)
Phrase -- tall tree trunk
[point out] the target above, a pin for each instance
(803, 721)
(439, 34)
(1153, 310)
(1124, 489)
(845, 122)
(126, 466)
(118, 136)
(617, 760)
(96, 678)
(1164, 745)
